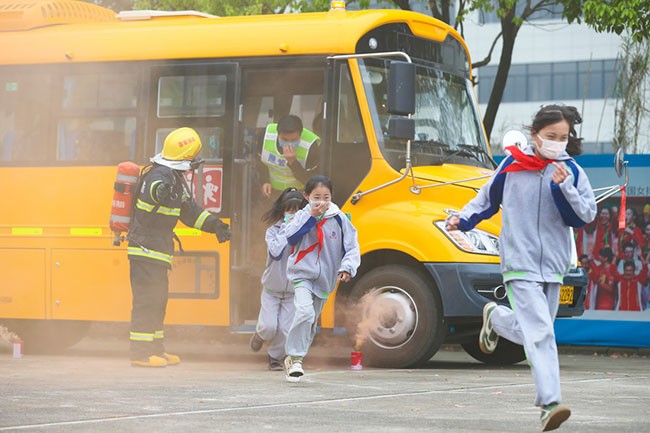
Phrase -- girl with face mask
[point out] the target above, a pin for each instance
(277, 308)
(543, 193)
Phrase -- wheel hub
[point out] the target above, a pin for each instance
(393, 317)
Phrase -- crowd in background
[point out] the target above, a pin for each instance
(617, 259)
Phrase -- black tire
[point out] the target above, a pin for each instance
(415, 296)
(47, 336)
(506, 353)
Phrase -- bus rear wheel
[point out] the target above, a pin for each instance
(397, 318)
(506, 353)
(47, 336)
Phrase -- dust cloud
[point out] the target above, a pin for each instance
(365, 311)
(368, 314)
(7, 335)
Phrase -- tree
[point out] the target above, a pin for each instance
(633, 91)
(611, 16)
(618, 16)
(512, 14)
(234, 7)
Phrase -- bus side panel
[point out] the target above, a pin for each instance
(90, 289)
(99, 288)
(23, 283)
(198, 287)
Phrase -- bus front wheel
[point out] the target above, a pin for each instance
(506, 352)
(396, 318)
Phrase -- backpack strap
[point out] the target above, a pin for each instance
(337, 217)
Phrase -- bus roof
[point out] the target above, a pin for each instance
(100, 38)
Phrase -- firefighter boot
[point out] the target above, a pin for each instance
(171, 359)
(152, 361)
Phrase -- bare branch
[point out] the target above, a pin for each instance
(487, 58)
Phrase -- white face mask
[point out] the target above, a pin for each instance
(551, 149)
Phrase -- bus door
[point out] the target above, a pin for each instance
(345, 150)
(270, 90)
(202, 96)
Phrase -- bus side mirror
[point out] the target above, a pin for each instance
(401, 88)
(401, 128)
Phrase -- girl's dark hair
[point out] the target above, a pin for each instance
(551, 114)
(318, 180)
(290, 199)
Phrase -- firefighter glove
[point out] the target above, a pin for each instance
(222, 230)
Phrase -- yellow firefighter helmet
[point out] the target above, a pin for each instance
(182, 144)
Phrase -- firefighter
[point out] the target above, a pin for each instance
(162, 199)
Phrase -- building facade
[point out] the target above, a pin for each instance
(552, 62)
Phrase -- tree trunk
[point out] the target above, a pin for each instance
(509, 33)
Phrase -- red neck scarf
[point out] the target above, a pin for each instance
(525, 162)
(318, 243)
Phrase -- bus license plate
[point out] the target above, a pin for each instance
(566, 295)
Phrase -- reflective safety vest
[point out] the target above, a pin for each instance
(280, 174)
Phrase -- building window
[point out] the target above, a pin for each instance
(551, 11)
(552, 81)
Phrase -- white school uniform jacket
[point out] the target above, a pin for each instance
(321, 249)
(535, 241)
(274, 278)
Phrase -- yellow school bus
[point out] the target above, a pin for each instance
(84, 88)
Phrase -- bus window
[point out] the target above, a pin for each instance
(97, 122)
(192, 96)
(349, 148)
(107, 91)
(24, 113)
(348, 127)
(446, 118)
(211, 141)
(101, 139)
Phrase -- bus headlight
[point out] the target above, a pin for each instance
(474, 241)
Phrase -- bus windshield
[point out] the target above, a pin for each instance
(447, 125)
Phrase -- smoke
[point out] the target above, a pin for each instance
(372, 312)
(7, 335)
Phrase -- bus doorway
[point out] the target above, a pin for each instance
(268, 93)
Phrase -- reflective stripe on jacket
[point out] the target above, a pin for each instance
(162, 201)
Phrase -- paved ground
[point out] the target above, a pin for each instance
(223, 387)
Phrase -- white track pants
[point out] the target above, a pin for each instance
(302, 331)
(276, 316)
(530, 324)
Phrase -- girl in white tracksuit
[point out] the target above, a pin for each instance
(277, 309)
(543, 193)
(325, 250)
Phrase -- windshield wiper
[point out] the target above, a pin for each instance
(479, 151)
(469, 151)
(460, 151)
(429, 146)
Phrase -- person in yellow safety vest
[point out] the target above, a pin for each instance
(163, 197)
(288, 156)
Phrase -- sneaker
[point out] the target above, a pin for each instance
(171, 359)
(274, 364)
(293, 369)
(256, 342)
(488, 338)
(553, 415)
(152, 361)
